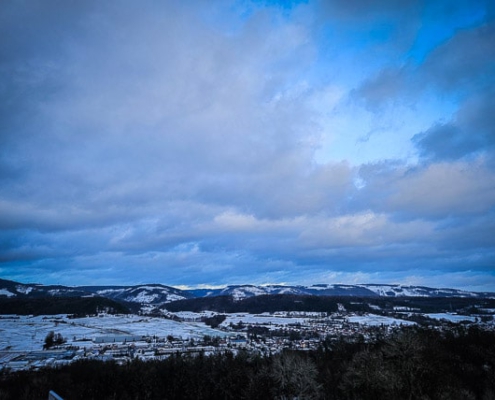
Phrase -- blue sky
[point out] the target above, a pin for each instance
(211, 143)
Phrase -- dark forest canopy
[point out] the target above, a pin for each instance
(256, 304)
(290, 302)
(50, 305)
(61, 305)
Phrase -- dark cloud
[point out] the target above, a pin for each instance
(471, 131)
(388, 85)
(445, 142)
(465, 63)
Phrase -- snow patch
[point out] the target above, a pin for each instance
(377, 320)
(108, 291)
(174, 297)
(260, 319)
(142, 297)
(24, 289)
(5, 292)
(451, 317)
(55, 292)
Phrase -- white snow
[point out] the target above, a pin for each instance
(398, 290)
(377, 320)
(21, 333)
(319, 287)
(55, 292)
(193, 315)
(24, 289)
(142, 297)
(152, 288)
(287, 291)
(260, 319)
(241, 293)
(107, 291)
(451, 317)
(5, 292)
(174, 297)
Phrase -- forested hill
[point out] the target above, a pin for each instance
(289, 302)
(61, 305)
(256, 305)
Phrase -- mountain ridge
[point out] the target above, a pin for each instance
(159, 294)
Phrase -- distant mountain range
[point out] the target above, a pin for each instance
(157, 294)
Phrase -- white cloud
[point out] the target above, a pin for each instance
(445, 189)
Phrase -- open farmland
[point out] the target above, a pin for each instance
(21, 333)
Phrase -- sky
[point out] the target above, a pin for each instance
(204, 143)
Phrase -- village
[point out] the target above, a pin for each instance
(123, 338)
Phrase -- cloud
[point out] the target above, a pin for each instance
(389, 84)
(177, 143)
(462, 65)
(433, 191)
(471, 131)
(461, 68)
(465, 62)
(153, 109)
(366, 11)
(446, 189)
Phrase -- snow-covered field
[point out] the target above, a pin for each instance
(28, 333)
(377, 320)
(451, 317)
(189, 315)
(261, 319)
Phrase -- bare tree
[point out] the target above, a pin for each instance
(295, 376)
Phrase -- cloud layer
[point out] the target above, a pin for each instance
(247, 143)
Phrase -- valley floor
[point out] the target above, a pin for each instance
(123, 338)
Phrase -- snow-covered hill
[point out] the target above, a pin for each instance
(153, 294)
(143, 294)
(239, 292)
(417, 291)
(370, 290)
(11, 289)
